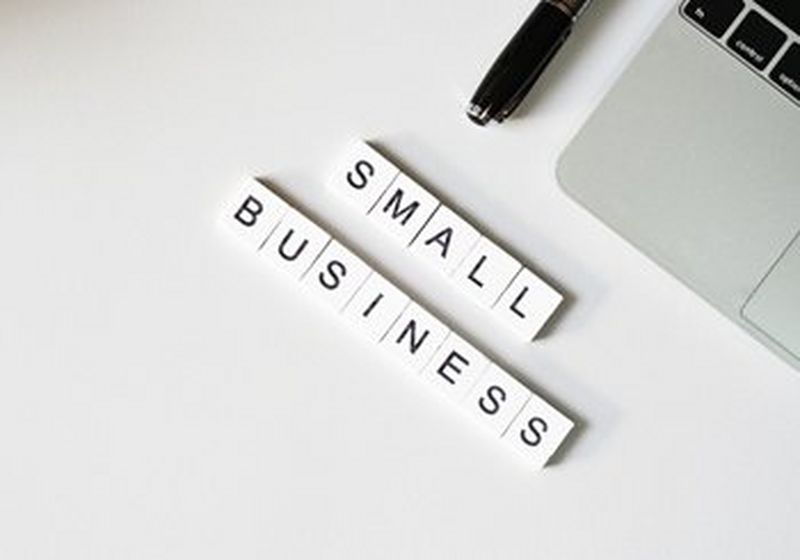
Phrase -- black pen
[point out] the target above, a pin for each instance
(524, 59)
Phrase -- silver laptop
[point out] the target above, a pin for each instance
(694, 157)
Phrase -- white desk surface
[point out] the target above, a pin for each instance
(162, 397)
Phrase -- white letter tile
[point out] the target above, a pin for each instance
(254, 213)
(456, 367)
(362, 175)
(446, 240)
(538, 431)
(527, 304)
(486, 272)
(403, 209)
(336, 275)
(415, 337)
(376, 306)
(295, 244)
(496, 399)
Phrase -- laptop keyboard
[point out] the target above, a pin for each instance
(787, 11)
(764, 34)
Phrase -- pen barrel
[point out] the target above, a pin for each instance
(522, 61)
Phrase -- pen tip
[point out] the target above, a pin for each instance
(478, 114)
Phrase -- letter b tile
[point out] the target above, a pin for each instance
(253, 213)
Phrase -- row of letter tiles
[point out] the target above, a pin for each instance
(293, 244)
(487, 274)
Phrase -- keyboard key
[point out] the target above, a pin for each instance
(787, 11)
(757, 40)
(715, 16)
(787, 72)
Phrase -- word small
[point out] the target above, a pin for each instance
(487, 274)
(294, 245)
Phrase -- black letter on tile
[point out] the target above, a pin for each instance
(532, 426)
(414, 343)
(404, 214)
(363, 169)
(448, 363)
(495, 395)
(475, 269)
(514, 308)
(249, 211)
(337, 271)
(372, 305)
(442, 238)
(297, 253)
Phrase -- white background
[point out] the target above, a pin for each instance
(163, 396)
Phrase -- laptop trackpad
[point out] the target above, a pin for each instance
(775, 307)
